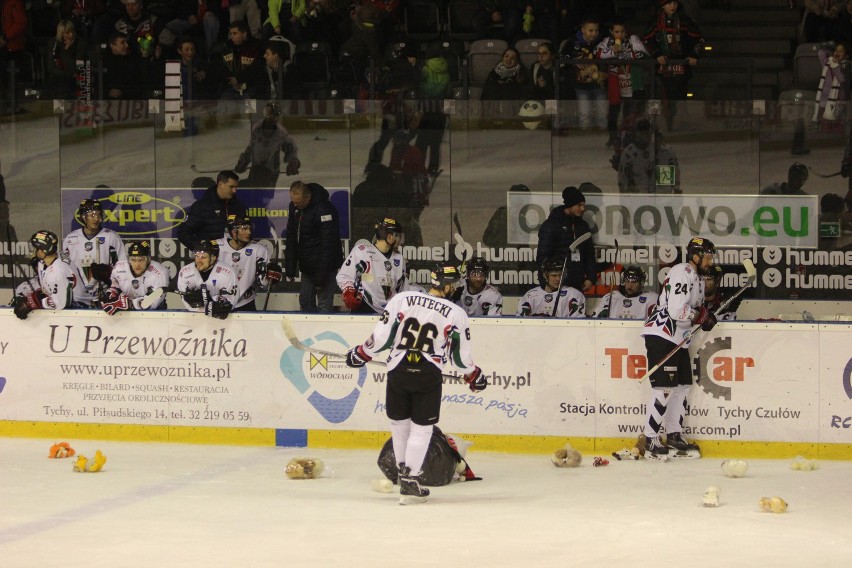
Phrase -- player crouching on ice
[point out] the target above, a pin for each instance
(56, 279)
(207, 286)
(444, 461)
(423, 333)
(681, 306)
(137, 283)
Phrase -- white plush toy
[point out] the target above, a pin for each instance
(711, 496)
(734, 468)
(803, 464)
(566, 457)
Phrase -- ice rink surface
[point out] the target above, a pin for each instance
(175, 505)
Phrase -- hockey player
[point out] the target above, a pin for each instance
(374, 272)
(56, 279)
(423, 333)
(268, 140)
(476, 296)
(681, 306)
(714, 296)
(134, 279)
(207, 286)
(248, 259)
(92, 251)
(630, 301)
(541, 300)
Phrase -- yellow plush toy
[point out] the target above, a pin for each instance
(84, 464)
(60, 450)
(772, 505)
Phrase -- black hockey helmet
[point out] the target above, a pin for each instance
(443, 274)
(208, 246)
(699, 246)
(235, 221)
(139, 248)
(552, 264)
(272, 110)
(715, 273)
(798, 170)
(87, 206)
(387, 225)
(633, 273)
(477, 264)
(46, 241)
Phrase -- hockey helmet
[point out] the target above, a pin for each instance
(139, 248)
(715, 273)
(46, 241)
(477, 264)
(87, 206)
(235, 221)
(272, 110)
(632, 274)
(208, 246)
(699, 246)
(443, 274)
(387, 225)
(552, 264)
(799, 171)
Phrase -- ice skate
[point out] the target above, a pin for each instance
(680, 448)
(654, 450)
(410, 492)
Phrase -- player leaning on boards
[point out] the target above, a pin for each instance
(374, 272)
(423, 333)
(56, 279)
(681, 306)
(137, 283)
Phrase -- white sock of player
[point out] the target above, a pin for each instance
(418, 444)
(674, 418)
(656, 410)
(399, 434)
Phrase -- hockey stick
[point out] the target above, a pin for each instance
(751, 271)
(571, 248)
(151, 297)
(196, 170)
(268, 293)
(297, 343)
(816, 173)
(11, 260)
(612, 286)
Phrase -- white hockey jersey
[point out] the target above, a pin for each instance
(619, 306)
(434, 326)
(376, 276)
(221, 283)
(104, 248)
(136, 287)
(683, 294)
(488, 302)
(248, 263)
(57, 282)
(538, 302)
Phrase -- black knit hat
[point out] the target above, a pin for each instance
(571, 196)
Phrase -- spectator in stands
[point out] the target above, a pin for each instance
(625, 82)
(833, 92)
(508, 80)
(246, 11)
(503, 13)
(588, 78)
(206, 218)
(434, 87)
(241, 64)
(13, 40)
(125, 75)
(284, 19)
(363, 42)
(797, 175)
(843, 28)
(196, 79)
(141, 28)
(105, 24)
(83, 14)
(194, 18)
(647, 165)
(273, 84)
(65, 49)
(820, 19)
(675, 41)
(543, 74)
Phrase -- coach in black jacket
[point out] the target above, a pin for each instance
(206, 217)
(564, 225)
(313, 246)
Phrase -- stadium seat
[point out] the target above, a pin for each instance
(460, 19)
(482, 56)
(806, 68)
(422, 21)
(528, 50)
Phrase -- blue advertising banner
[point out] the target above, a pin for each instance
(136, 213)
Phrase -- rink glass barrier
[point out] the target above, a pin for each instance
(180, 377)
(147, 161)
